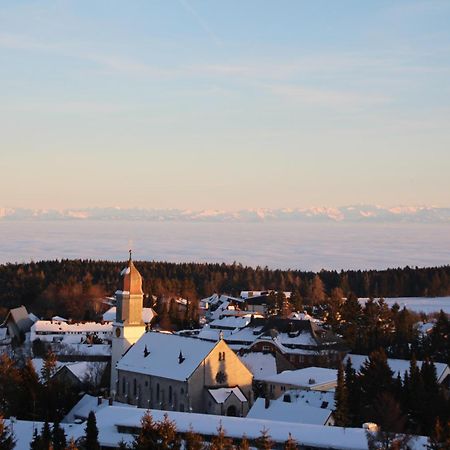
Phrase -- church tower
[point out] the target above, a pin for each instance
(128, 326)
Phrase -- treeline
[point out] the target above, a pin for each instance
(47, 287)
(410, 403)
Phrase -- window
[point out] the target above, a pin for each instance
(123, 386)
(170, 394)
(134, 387)
(157, 392)
(181, 407)
(223, 356)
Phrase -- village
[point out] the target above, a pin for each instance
(254, 366)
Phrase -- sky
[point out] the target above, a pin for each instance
(228, 105)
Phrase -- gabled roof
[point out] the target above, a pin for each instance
(221, 395)
(20, 317)
(163, 355)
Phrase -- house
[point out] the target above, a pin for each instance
(310, 378)
(303, 343)
(70, 332)
(18, 322)
(176, 373)
(286, 410)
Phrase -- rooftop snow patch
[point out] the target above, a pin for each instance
(163, 351)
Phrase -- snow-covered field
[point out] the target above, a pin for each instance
(306, 246)
(421, 304)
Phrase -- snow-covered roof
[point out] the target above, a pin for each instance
(399, 366)
(249, 294)
(306, 435)
(316, 399)
(147, 315)
(260, 364)
(87, 404)
(59, 319)
(220, 395)
(163, 355)
(80, 369)
(231, 322)
(82, 349)
(109, 418)
(310, 378)
(288, 412)
(58, 327)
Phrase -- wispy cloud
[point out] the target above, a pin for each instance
(327, 97)
(203, 24)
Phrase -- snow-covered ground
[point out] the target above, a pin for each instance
(308, 246)
(418, 304)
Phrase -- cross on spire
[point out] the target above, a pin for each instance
(129, 251)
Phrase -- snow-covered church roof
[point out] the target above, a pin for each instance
(166, 355)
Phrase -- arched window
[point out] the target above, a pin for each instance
(170, 394)
(157, 392)
(123, 386)
(223, 356)
(134, 387)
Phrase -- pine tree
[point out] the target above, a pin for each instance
(58, 437)
(36, 443)
(341, 400)
(264, 441)
(353, 393)
(46, 436)
(220, 441)
(72, 445)
(148, 436)
(7, 441)
(91, 433)
(193, 441)
(244, 444)
(290, 444)
(167, 435)
(49, 367)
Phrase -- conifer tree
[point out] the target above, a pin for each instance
(353, 393)
(46, 436)
(290, 444)
(72, 445)
(193, 441)
(58, 437)
(167, 435)
(341, 400)
(147, 438)
(7, 441)
(244, 444)
(264, 441)
(221, 441)
(36, 443)
(91, 433)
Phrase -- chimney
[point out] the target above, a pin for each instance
(99, 401)
(110, 401)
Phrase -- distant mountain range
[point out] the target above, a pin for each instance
(356, 213)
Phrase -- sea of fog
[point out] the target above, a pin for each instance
(305, 246)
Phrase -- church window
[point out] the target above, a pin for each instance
(170, 394)
(223, 356)
(220, 356)
(123, 386)
(157, 392)
(134, 387)
(181, 407)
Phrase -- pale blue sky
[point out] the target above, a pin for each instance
(229, 105)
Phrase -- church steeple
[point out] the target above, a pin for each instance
(132, 279)
(128, 327)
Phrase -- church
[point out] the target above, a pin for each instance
(159, 370)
